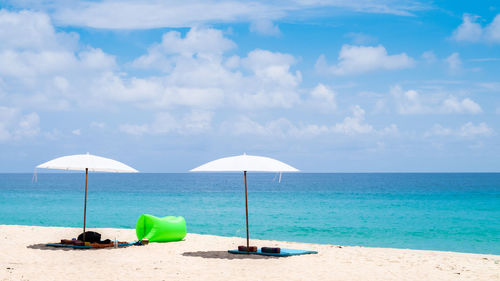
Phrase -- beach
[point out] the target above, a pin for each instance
(205, 257)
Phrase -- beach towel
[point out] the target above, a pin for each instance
(284, 252)
(95, 246)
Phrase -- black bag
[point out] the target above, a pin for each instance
(90, 236)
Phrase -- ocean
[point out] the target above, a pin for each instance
(433, 211)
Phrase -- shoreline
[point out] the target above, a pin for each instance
(202, 256)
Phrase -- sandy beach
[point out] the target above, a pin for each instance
(205, 257)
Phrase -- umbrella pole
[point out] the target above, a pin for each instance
(85, 205)
(246, 208)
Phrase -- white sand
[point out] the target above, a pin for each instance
(205, 257)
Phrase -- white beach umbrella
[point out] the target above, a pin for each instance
(245, 163)
(87, 162)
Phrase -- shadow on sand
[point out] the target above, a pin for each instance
(44, 247)
(223, 255)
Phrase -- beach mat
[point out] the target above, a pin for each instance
(284, 252)
(86, 247)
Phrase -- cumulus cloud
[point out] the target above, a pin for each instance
(197, 41)
(43, 68)
(353, 124)
(471, 31)
(454, 62)
(467, 130)
(265, 27)
(196, 74)
(471, 130)
(195, 71)
(282, 127)
(37, 32)
(408, 102)
(165, 123)
(323, 98)
(454, 105)
(15, 125)
(361, 59)
(412, 102)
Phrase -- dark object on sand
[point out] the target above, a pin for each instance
(107, 241)
(81, 245)
(247, 249)
(283, 252)
(270, 250)
(90, 236)
(78, 243)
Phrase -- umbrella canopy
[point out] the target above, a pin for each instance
(87, 162)
(245, 163)
(82, 162)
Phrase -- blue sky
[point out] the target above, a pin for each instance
(326, 86)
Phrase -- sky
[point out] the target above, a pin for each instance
(323, 85)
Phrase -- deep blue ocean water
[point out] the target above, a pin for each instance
(451, 212)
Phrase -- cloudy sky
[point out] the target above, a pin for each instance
(324, 85)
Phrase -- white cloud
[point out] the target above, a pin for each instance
(453, 105)
(323, 98)
(471, 130)
(76, 132)
(98, 125)
(36, 30)
(114, 14)
(282, 127)
(361, 59)
(204, 77)
(438, 130)
(265, 27)
(42, 68)
(380, 106)
(353, 124)
(144, 15)
(54, 134)
(412, 102)
(454, 62)
(391, 130)
(165, 123)
(14, 125)
(359, 38)
(471, 31)
(408, 102)
(200, 41)
(492, 31)
(429, 57)
(132, 129)
(467, 130)
(196, 72)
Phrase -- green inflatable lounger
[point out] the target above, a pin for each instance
(157, 229)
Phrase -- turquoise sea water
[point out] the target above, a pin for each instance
(451, 212)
